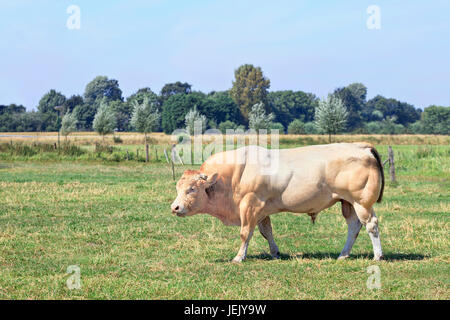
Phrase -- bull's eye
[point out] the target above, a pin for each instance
(191, 189)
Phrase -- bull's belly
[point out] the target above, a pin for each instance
(304, 201)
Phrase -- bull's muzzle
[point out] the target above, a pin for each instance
(178, 209)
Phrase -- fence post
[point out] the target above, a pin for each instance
(391, 164)
(173, 160)
(146, 152)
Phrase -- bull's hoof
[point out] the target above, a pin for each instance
(237, 259)
(276, 255)
(343, 257)
(378, 258)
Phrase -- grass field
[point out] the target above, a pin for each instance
(113, 221)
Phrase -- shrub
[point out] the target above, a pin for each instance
(296, 127)
(117, 139)
(277, 126)
(310, 128)
(374, 127)
(99, 148)
(416, 127)
(223, 126)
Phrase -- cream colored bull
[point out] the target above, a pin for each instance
(243, 187)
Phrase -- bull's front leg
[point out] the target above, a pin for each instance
(249, 208)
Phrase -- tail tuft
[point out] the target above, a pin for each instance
(380, 167)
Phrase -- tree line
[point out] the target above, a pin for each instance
(247, 104)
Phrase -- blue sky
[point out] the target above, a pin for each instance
(300, 45)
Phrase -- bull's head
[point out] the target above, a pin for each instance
(192, 194)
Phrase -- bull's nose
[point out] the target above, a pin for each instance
(175, 208)
(178, 209)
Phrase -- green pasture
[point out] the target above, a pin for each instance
(113, 221)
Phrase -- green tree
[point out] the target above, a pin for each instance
(141, 94)
(105, 120)
(102, 87)
(15, 118)
(354, 98)
(191, 118)
(177, 106)
(289, 105)
(220, 107)
(146, 116)
(331, 116)
(68, 124)
(11, 109)
(85, 114)
(171, 89)
(258, 119)
(404, 112)
(249, 88)
(99, 89)
(70, 104)
(436, 120)
(122, 111)
(47, 104)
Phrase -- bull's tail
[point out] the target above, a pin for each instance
(380, 167)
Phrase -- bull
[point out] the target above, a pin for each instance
(240, 191)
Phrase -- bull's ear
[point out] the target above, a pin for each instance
(211, 179)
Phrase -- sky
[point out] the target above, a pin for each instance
(312, 46)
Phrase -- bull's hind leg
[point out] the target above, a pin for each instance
(354, 226)
(369, 219)
(265, 227)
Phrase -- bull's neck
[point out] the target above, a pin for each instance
(220, 202)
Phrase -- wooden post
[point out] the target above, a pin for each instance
(167, 157)
(128, 155)
(156, 154)
(173, 160)
(146, 152)
(137, 154)
(391, 164)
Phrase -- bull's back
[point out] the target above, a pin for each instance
(306, 179)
